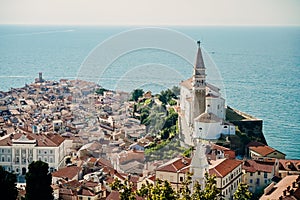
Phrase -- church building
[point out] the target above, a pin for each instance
(202, 108)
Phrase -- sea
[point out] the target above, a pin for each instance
(256, 68)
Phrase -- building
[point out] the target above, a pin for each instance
(259, 150)
(202, 108)
(287, 188)
(288, 167)
(174, 171)
(18, 150)
(258, 174)
(228, 174)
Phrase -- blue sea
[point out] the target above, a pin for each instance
(257, 68)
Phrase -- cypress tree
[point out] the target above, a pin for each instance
(38, 182)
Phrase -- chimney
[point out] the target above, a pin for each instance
(284, 193)
(294, 184)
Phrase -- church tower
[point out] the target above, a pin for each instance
(198, 86)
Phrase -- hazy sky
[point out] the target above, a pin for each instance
(151, 12)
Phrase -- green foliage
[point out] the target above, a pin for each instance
(8, 185)
(242, 192)
(136, 94)
(125, 189)
(187, 152)
(184, 191)
(210, 191)
(101, 91)
(38, 182)
(166, 96)
(171, 119)
(172, 102)
(176, 91)
(162, 190)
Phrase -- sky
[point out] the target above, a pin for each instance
(151, 12)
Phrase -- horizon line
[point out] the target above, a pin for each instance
(153, 25)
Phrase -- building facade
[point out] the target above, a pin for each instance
(18, 150)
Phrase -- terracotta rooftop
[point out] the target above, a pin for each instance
(50, 140)
(114, 195)
(175, 165)
(254, 166)
(262, 150)
(225, 167)
(282, 186)
(86, 192)
(289, 165)
(67, 172)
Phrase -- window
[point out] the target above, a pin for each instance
(257, 181)
(51, 160)
(8, 150)
(181, 179)
(51, 151)
(8, 158)
(251, 181)
(265, 175)
(251, 174)
(266, 181)
(2, 159)
(258, 173)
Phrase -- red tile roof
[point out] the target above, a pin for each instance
(86, 192)
(67, 172)
(289, 165)
(225, 167)
(49, 140)
(175, 165)
(262, 150)
(254, 166)
(114, 195)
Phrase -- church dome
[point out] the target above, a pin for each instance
(208, 118)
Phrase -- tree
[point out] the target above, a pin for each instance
(162, 190)
(125, 189)
(8, 185)
(38, 182)
(101, 91)
(242, 192)
(210, 190)
(184, 191)
(136, 94)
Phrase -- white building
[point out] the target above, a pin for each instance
(202, 107)
(18, 150)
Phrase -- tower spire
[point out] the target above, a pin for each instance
(199, 85)
(199, 59)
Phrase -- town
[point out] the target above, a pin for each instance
(92, 137)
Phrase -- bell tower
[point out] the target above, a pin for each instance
(198, 86)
